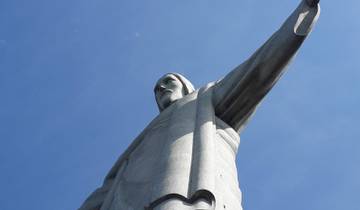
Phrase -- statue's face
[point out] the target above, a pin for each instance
(167, 90)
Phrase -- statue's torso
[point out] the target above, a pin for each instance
(163, 163)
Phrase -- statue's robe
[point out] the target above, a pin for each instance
(187, 153)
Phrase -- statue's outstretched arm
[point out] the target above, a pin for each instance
(238, 93)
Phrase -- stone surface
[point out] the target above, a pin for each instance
(185, 158)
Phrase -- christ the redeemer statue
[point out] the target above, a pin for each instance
(185, 158)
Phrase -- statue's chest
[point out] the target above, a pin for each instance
(171, 135)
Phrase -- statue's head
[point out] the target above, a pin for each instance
(170, 88)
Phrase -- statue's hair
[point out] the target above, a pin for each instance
(187, 85)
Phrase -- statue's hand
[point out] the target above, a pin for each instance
(312, 3)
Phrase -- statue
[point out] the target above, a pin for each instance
(185, 158)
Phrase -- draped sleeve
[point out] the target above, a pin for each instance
(238, 93)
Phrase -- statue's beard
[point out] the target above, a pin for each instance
(167, 100)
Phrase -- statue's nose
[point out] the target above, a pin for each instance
(162, 87)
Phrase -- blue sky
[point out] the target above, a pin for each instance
(76, 81)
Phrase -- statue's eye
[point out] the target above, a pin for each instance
(157, 88)
(169, 80)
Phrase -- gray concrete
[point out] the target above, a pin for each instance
(185, 158)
